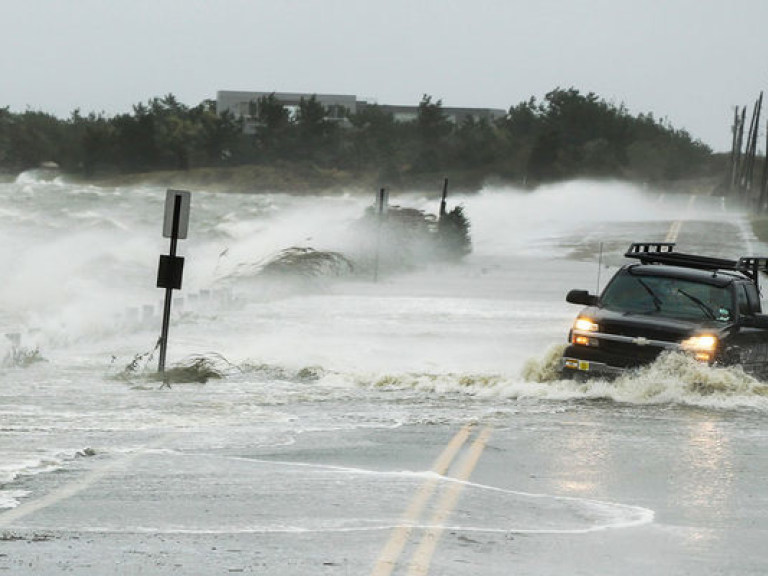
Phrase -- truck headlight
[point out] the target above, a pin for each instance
(584, 324)
(703, 347)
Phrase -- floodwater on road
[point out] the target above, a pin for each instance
(411, 425)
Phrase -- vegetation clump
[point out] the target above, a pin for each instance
(9, 536)
(403, 238)
(305, 261)
(196, 369)
(453, 233)
(20, 357)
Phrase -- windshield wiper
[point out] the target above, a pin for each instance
(707, 310)
(656, 299)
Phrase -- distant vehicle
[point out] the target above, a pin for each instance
(670, 301)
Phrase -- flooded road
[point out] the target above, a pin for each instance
(406, 426)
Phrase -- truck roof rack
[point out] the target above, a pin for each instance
(663, 253)
(650, 247)
(752, 265)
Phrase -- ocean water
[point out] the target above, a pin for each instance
(333, 388)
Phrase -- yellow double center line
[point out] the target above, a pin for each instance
(422, 557)
(674, 229)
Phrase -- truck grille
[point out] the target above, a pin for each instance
(630, 354)
(621, 329)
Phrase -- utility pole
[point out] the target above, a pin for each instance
(739, 139)
(751, 151)
(764, 181)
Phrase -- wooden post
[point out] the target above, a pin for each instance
(442, 202)
(761, 207)
(381, 205)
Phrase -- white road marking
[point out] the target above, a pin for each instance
(77, 486)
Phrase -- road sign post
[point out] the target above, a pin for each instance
(171, 268)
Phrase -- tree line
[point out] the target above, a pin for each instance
(567, 134)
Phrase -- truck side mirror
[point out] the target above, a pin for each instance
(581, 297)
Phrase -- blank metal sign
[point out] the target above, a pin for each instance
(170, 200)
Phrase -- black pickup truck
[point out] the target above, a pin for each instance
(670, 301)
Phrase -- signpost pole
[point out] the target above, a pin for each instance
(168, 289)
(171, 267)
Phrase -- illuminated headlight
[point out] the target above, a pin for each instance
(703, 347)
(585, 324)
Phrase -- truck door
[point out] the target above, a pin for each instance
(753, 342)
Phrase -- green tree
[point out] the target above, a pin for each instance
(174, 131)
(220, 136)
(34, 137)
(98, 141)
(6, 120)
(311, 120)
(273, 130)
(376, 141)
(135, 140)
(567, 134)
(476, 144)
(453, 231)
(519, 130)
(317, 135)
(432, 129)
(573, 135)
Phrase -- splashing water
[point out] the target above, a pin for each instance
(84, 271)
(546, 368)
(679, 376)
(674, 378)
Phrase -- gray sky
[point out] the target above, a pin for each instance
(690, 61)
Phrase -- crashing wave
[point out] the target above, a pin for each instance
(274, 372)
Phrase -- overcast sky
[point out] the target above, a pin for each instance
(689, 61)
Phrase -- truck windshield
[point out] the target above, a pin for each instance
(667, 297)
